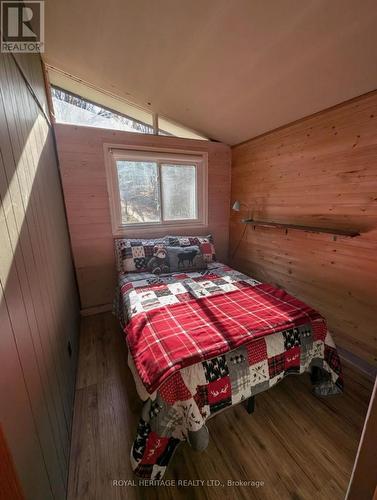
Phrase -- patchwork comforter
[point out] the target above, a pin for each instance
(202, 341)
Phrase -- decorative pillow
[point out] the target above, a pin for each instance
(140, 256)
(205, 244)
(185, 258)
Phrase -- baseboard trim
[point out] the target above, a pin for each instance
(359, 364)
(89, 311)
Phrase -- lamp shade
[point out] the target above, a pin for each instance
(236, 206)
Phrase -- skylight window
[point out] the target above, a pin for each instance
(77, 102)
(70, 108)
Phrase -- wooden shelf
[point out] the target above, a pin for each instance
(309, 229)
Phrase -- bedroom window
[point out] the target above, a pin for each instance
(156, 189)
(74, 109)
(81, 103)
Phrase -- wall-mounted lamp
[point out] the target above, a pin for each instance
(237, 207)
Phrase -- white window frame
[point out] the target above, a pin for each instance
(137, 153)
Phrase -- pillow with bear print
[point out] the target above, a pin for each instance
(140, 256)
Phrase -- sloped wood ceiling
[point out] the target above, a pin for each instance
(229, 69)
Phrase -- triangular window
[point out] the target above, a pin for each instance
(79, 103)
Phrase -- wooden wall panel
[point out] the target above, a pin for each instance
(39, 303)
(320, 171)
(82, 165)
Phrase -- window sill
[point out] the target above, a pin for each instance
(157, 230)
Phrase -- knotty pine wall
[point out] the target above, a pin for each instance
(39, 310)
(320, 171)
(82, 165)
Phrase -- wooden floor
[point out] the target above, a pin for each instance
(301, 447)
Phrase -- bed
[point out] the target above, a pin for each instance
(203, 337)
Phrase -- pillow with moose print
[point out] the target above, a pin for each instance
(205, 244)
(185, 259)
(140, 256)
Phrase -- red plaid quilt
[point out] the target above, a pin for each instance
(167, 339)
(200, 342)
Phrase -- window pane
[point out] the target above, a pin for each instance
(139, 192)
(179, 191)
(70, 108)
